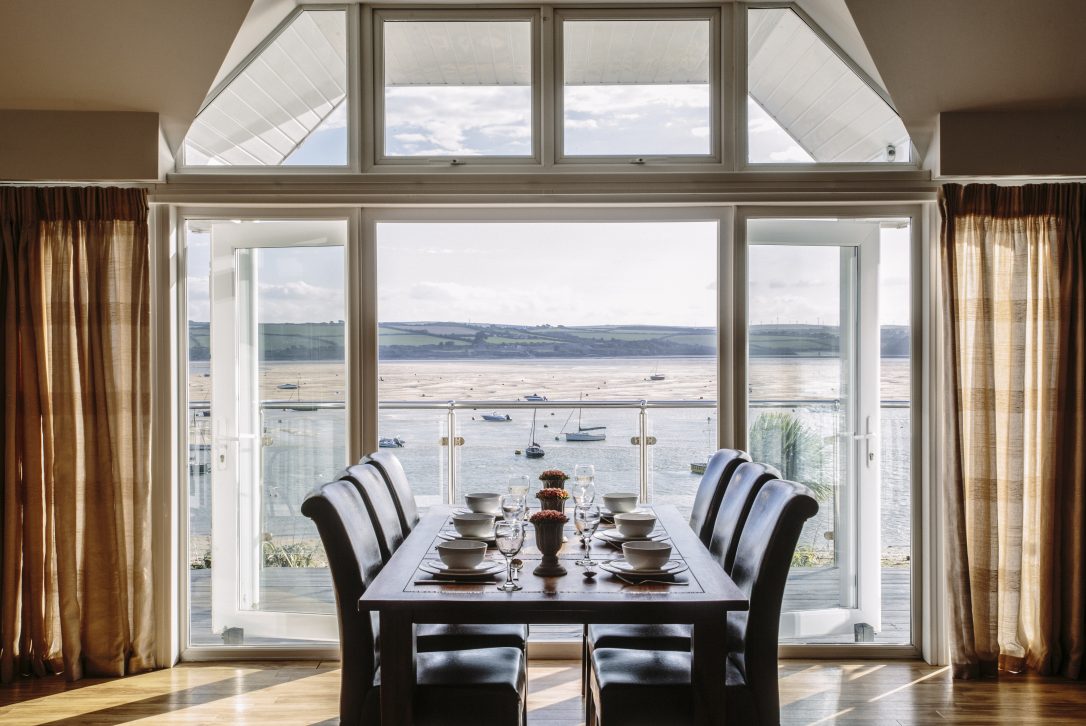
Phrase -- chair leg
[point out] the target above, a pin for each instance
(584, 660)
(589, 708)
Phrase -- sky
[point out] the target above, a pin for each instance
(560, 274)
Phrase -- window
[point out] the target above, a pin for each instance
(638, 87)
(807, 105)
(286, 107)
(456, 87)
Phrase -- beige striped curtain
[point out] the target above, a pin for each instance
(75, 569)
(1014, 440)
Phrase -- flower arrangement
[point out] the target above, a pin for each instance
(554, 475)
(552, 493)
(547, 516)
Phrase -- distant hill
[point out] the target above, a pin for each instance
(448, 340)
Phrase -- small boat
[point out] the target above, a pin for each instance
(533, 450)
(391, 443)
(585, 433)
(696, 468)
(288, 386)
(656, 377)
(535, 397)
(495, 416)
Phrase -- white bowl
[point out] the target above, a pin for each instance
(635, 525)
(461, 554)
(474, 524)
(619, 503)
(483, 502)
(646, 555)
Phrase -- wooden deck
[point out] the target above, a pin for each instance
(309, 590)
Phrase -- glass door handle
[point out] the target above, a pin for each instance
(867, 438)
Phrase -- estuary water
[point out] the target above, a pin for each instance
(301, 448)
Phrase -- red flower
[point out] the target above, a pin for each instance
(548, 515)
(552, 494)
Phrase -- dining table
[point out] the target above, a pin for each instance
(405, 595)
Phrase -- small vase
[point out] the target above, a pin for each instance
(554, 483)
(557, 504)
(548, 538)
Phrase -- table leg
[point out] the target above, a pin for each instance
(397, 667)
(708, 670)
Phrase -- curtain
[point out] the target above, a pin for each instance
(75, 569)
(1014, 426)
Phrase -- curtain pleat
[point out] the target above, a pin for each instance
(75, 571)
(1012, 426)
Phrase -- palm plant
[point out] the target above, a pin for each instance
(784, 440)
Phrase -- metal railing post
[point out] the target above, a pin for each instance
(451, 439)
(643, 449)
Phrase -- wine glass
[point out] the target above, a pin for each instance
(512, 507)
(518, 484)
(586, 518)
(584, 486)
(509, 537)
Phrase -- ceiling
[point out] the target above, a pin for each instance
(115, 55)
(973, 55)
(165, 55)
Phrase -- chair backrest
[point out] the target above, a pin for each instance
(396, 480)
(718, 472)
(761, 566)
(735, 505)
(354, 557)
(380, 504)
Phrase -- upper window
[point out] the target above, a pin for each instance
(637, 87)
(807, 105)
(455, 88)
(286, 106)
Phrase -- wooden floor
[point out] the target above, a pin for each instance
(297, 694)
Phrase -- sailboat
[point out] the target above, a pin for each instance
(656, 374)
(585, 433)
(533, 450)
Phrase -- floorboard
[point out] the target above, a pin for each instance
(305, 694)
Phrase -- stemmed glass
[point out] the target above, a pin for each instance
(512, 507)
(509, 536)
(518, 484)
(584, 487)
(586, 518)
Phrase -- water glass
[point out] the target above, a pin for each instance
(518, 484)
(513, 507)
(509, 538)
(584, 484)
(586, 518)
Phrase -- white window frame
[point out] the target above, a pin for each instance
(922, 564)
(352, 163)
(717, 106)
(377, 97)
(742, 64)
(354, 363)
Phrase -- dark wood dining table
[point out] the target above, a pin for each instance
(404, 596)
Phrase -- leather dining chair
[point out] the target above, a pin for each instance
(386, 525)
(396, 479)
(735, 505)
(641, 687)
(718, 472)
(453, 688)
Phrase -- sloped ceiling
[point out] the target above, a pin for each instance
(975, 55)
(115, 55)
